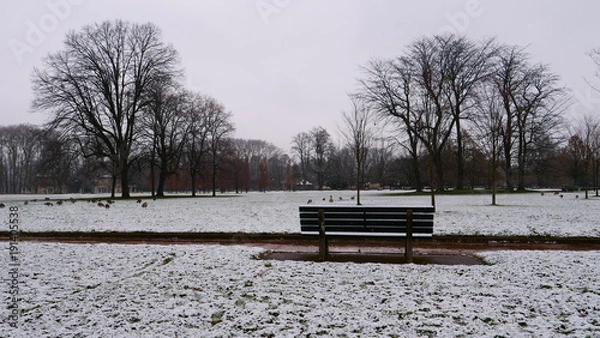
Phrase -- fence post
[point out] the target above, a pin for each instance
(323, 245)
(408, 250)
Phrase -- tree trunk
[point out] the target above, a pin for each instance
(508, 166)
(162, 178)
(214, 176)
(521, 167)
(431, 181)
(193, 181)
(494, 165)
(125, 181)
(358, 182)
(152, 179)
(439, 172)
(460, 162)
(415, 166)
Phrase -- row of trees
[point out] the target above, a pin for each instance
(115, 92)
(475, 112)
(474, 97)
(447, 112)
(38, 159)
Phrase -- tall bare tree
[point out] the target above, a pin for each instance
(323, 147)
(95, 87)
(219, 128)
(389, 88)
(196, 146)
(20, 152)
(302, 147)
(532, 102)
(583, 150)
(359, 134)
(466, 65)
(594, 55)
(488, 126)
(165, 128)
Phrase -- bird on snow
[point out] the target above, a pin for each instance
(309, 202)
(330, 199)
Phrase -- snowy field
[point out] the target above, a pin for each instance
(517, 214)
(113, 290)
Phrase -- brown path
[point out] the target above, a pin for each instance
(440, 250)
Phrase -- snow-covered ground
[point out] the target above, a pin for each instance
(517, 214)
(113, 290)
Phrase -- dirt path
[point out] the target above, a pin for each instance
(439, 250)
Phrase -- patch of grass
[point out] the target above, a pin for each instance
(169, 259)
(217, 317)
(489, 321)
(458, 192)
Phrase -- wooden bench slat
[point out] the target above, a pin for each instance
(367, 221)
(362, 210)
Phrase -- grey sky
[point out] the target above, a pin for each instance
(285, 66)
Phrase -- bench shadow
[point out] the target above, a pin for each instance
(383, 258)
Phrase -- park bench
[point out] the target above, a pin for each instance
(406, 222)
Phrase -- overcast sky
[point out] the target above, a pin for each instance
(286, 66)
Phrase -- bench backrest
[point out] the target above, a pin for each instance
(367, 220)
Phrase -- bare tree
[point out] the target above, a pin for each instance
(595, 57)
(196, 146)
(358, 134)
(488, 127)
(389, 88)
(466, 65)
(95, 87)
(219, 127)
(257, 152)
(531, 101)
(583, 150)
(20, 152)
(164, 123)
(323, 147)
(302, 148)
(59, 161)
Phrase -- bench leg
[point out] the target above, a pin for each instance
(323, 243)
(323, 248)
(408, 244)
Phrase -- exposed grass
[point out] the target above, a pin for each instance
(49, 198)
(458, 192)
